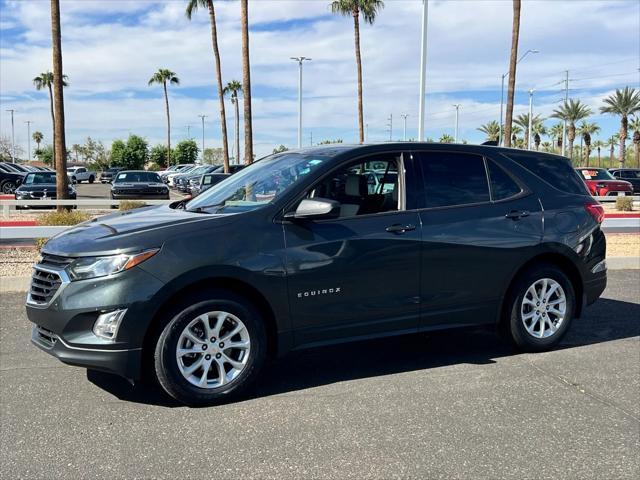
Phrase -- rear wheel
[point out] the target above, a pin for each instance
(212, 350)
(541, 307)
(91, 179)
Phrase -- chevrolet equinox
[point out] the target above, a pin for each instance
(319, 246)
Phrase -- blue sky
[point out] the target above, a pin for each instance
(110, 49)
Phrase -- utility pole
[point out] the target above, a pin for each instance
(202, 117)
(404, 128)
(300, 60)
(423, 69)
(530, 128)
(457, 107)
(390, 125)
(13, 138)
(564, 123)
(188, 131)
(29, 122)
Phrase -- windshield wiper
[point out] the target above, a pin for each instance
(205, 207)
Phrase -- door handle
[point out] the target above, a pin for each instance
(517, 214)
(399, 228)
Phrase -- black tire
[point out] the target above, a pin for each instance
(91, 179)
(517, 332)
(8, 187)
(74, 180)
(166, 366)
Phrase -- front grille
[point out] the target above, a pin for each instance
(44, 285)
(44, 337)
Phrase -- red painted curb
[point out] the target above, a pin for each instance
(622, 215)
(7, 197)
(25, 223)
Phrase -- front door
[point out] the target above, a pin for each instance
(357, 275)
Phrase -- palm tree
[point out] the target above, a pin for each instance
(635, 126)
(59, 143)
(515, 131)
(246, 83)
(555, 133)
(586, 130)
(369, 10)
(45, 80)
(513, 60)
(161, 77)
(491, 130)
(547, 146)
(598, 144)
(192, 6)
(538, 129)
(446, 138)
(571, 112)
(624, 103)
(612, 141)
(233, 87)
(76, 148)
(37, 137)
(523, 121)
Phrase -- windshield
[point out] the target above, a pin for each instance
(133, 177)
(257, 185)
(595, 174)
(39, 178)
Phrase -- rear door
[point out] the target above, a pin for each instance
(478, 222)
(357, 275)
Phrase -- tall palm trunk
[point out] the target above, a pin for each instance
(60, 146)
(223, 115)
(166, 104)
(246, 83)
(356, 31)
(636, 143)
(237, 129)
(611, 156)
(624, 124)
(515, 34)
(599, 159)
(53, 125)
(571, 136)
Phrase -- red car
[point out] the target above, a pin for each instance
(602, 184)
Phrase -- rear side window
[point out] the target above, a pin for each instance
(556, 171)
(502, 185)
(452, 179)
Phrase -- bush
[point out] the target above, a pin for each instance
(154, 167)
(624, 204)
(131, 204)
(60, 218)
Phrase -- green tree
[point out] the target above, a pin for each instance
(45, 154)
(118, 153)
(37, 137)
(233, 87)
(513, 61)
(635, 126)
(571, 112)
(329, 142)
(159, 155)
(368, 9)
(280, 149)
(162, 77)
(45, 80)
(192, 6)
(446, 138)
(624, 103)
(523, 122)
(213, 156)
(538, 129)
(186, 151)
(555, 132)
(586, 130)
(136, 153)
(491, 130)
(612, 141)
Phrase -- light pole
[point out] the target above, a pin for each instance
(530, 119)
(404, 127)
(502, 92)
(390, 125)
(202, 117)
(457, 107)
(564, 122)
(423, 69)
(29, 122)
(13, 138)
(188, 131)
(300, 60)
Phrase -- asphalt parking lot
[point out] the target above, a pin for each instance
(447, 405)
(102, 190)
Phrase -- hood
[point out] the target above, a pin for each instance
(129, 231)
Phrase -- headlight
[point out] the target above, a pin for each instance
(92, 267)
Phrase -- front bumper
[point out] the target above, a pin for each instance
(140, 196)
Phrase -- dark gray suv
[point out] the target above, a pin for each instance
(320, 246)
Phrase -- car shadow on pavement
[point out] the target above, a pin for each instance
(605, 321)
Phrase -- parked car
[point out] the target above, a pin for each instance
(602, 184)
(15, 167)
(10, 179)
(168, 175)
(107, 175)
(138, 184)
(181, 182)
(205, 182)
(81, 174)
(40, 186)
(295, 251)
(631, 175)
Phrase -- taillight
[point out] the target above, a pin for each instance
(595, 210)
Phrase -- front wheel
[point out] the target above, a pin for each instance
(212, 350)
(542, 305)
(8, 187)
(91, 179)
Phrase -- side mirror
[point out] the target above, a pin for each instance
(315, 208)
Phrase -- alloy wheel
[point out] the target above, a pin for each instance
(543, 308)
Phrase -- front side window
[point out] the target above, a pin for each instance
(452, 179)
(257, 185)
(502, 185)
(363, 188)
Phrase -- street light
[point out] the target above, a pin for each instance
(300, 60)
(13, 138)
(202, 117)
(530, 119)
(457, 107)
(404, 119)
(502, 91)
(423, 69)
(29, 122)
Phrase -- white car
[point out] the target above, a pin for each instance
(81, 174)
